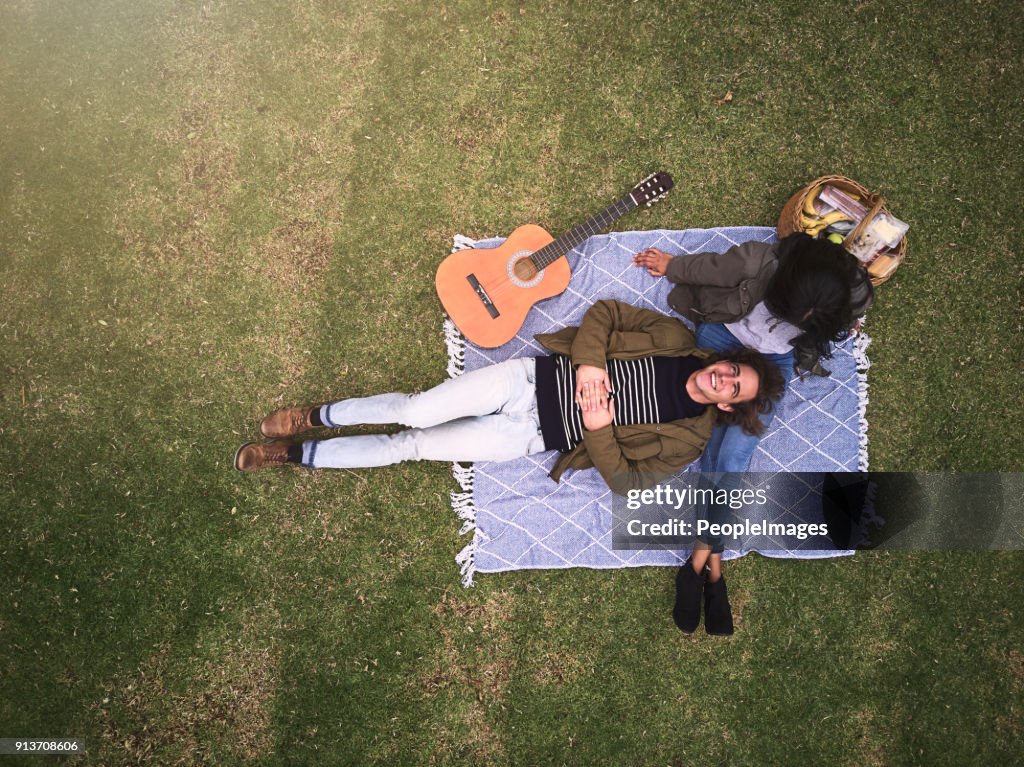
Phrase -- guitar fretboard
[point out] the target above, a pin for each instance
(578, 234)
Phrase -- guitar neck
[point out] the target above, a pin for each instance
(593, 225)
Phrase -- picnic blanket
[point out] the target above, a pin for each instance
(520, 519)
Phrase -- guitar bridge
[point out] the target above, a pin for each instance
(482, 295)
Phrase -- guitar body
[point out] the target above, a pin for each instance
(488, 292)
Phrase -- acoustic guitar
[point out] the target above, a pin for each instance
(488, 292)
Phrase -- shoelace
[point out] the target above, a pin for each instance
(300, 420)
(274, 454)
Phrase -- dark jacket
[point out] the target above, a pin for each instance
(725, 287)
(636, 456)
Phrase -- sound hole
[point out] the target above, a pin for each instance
(525, 269)
(522, 271)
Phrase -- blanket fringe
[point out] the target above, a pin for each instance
(456, 346)
(463, 475)
(465, 509)
(462, 501)
(462, 242)
(860, 355)
(466, 560)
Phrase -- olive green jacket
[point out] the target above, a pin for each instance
(636, 456)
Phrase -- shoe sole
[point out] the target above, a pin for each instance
(238, 453)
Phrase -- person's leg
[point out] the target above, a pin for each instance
(713, 448)
(717, 610)
(706, 560)
(714, 567)
(505, 386)
(729, 449)
(500, 437)
(689, 589)
(487, 414)
(705, 563)
(716, 336)
(700, 555)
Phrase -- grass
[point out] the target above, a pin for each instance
(212, 209)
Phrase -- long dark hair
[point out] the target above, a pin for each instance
(812, 288)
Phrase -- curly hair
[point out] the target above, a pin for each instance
(812, 290)
(770, 388)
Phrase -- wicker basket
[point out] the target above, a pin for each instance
(789, 220)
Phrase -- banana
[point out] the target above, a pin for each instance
(814, 228)
(809, 201)
(808, 223)
(833, 218)
(811, 222)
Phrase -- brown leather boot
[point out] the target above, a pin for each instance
(259, 455)
(287, 422)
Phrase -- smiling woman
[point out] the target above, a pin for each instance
(637, 410)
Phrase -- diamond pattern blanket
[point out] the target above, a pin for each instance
(520, 519)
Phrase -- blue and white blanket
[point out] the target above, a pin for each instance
(520, 519)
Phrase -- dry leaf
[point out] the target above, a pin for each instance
(724, 100)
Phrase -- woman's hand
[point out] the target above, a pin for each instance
(653, 260)
(600, 416)
(592, 387)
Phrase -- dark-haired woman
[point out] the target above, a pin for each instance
(790, 300)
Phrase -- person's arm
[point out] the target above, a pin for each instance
(622, 474)
(612, 325)
(716, 269)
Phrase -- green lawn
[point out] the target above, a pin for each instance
(213, 209)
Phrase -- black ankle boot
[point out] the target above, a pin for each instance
(717, 612)
(686, 612)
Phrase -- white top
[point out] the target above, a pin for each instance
(765, 332)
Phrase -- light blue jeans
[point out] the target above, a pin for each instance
(489, 414)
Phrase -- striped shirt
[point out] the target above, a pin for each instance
(645, 390)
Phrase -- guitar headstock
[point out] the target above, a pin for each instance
(652, 188)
